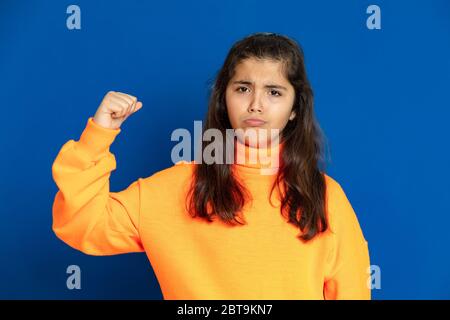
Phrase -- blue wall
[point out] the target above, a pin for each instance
(381, 97)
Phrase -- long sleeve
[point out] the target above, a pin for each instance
(348, 265)
(86, 215)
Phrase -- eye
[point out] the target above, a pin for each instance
(275, 93)
(239, 89)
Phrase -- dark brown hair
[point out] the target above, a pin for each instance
(216, 191)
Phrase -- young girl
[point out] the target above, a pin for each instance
(224, 230)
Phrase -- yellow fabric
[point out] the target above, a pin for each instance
(194, 259)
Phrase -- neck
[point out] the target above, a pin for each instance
(264, 160)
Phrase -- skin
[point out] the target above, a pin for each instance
(252, 92)
(115, 108)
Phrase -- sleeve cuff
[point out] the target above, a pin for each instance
(95, 140)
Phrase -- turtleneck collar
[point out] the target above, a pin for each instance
(257, 160)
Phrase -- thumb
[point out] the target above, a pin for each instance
(138, 106)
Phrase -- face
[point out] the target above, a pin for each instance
(260, 91)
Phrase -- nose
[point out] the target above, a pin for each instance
(255, 105)
(256, 109)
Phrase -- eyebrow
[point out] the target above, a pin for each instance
(270, 86)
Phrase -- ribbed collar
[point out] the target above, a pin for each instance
(257, 160)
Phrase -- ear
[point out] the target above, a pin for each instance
(292, 116)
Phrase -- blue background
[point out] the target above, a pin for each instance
(381, 97)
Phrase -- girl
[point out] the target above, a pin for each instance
(224, 230)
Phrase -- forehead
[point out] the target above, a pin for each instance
(260, 70)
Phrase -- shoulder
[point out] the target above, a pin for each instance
(340, 213)
(331, 182)
(335, 194)
(176, 175)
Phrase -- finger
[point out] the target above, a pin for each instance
(130, 99)
(134, 104)
(138, 106)
(118, 96)
(122, 110)
(117, 110)
(121, 102)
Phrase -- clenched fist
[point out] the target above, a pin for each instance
(115, 108)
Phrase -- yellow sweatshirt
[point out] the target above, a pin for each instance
(194, 259)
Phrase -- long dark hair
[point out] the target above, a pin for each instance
(216, 191)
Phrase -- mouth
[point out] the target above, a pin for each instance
(254, 122)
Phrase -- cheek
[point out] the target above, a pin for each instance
(280, 115)
(235, 102)
(232, 109)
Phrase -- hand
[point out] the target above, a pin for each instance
(115, 108)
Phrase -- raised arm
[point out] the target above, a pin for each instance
(86, 215)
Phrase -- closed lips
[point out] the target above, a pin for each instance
(254, 121)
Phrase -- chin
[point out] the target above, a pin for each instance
(257, 136)
(262, 138)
